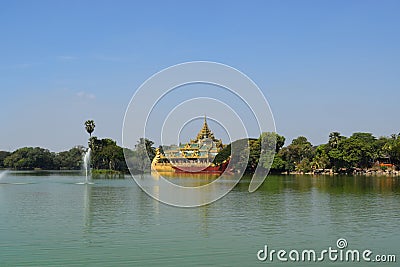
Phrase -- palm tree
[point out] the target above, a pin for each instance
(334, 139)
(89, 125)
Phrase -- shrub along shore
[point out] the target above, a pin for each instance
(359, 154)
(367, 172)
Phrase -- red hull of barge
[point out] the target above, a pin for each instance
(194, 169)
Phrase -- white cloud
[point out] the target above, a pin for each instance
(85, 95)
(107, 58)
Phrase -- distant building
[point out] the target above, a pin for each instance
(203, 149)
(199, 152)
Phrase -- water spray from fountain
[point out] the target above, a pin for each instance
(3, 174)
(89, 126)
(86, 165)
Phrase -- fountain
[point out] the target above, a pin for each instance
(86, 167)
(3, 174)
(89, 125)
(86, 164)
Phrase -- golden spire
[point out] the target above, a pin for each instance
(205, 132)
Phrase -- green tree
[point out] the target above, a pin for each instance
(150, 149)
(334, 139)
(71, 159)
(280, 142)
(3, 155)
(28, 158)
(334, 151)
(298, 154)
(223, 155)
(279, 164)
(304, 166)
(106, 154)
(254, 155)
(271, 143)
(391, 149)
(321, 158)
(143, 155)
(358, 150)
(238, 151)
(89, 125)
(284, 154)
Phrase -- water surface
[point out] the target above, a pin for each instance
(49, 220)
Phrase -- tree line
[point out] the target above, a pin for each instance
(105, 155)
(360, 151)
(340, 153)
(29, 158)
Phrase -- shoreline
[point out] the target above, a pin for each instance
(111, 174)
(329, 172)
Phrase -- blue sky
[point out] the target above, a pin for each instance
(323, 65)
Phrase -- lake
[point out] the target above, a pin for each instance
(47, 219)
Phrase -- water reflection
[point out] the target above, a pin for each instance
(40, 173)
(106, 204)
(331, 184)
(193, 190)
(357, 184)
(204, 217)
(86, 206)
(286, 210)
(186, 179)
(114, 221)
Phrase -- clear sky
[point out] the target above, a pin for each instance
(323, 65)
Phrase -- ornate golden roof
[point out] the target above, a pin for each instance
(205, 146)
(205, 132)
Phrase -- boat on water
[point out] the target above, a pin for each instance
(212, 168)
(193, 157)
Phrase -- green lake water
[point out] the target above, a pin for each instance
(49, 220)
